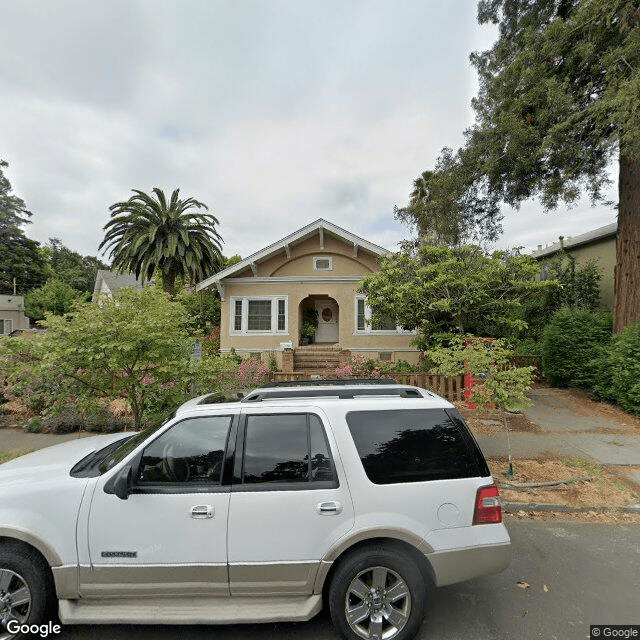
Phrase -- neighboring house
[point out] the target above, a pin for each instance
(598, 245)
(108, 282)
(264, 298)
(12, 314)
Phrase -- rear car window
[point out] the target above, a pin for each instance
(286, 448)
(414, 445)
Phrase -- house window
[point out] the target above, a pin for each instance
(5, 327)
(322, 263)
(364, 324)
(260, 314)
(237, 318)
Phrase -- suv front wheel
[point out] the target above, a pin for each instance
(377, 593)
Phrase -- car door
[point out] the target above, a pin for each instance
(169, 535)
(289, 503)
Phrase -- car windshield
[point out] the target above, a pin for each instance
(125, 449)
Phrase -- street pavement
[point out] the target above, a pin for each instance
(589, 571)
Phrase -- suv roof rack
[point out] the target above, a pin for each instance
(336, 392)
(341, 382)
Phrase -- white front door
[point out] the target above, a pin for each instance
(327, 321)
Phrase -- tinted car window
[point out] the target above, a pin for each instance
(191, 451)
(412, 445)
(289, 448)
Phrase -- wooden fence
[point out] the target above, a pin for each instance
(450, 388)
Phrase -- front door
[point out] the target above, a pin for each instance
(327, 321)
(169, 537)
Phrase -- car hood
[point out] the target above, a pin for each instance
(60, 457)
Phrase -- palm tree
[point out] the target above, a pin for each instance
(147, 233)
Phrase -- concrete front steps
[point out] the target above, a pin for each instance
(314, 358)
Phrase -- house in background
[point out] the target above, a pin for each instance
(598, 245)
(267, 296)
(12, 315)
(108, 282)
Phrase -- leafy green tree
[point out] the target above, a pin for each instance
(133, 346)
(19, 257)
(454, 290)
(70, 267)
(55, 297)
(559, 100)
(147, 233)
(503, 385)
(579, 289)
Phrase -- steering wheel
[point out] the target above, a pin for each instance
(176, 469)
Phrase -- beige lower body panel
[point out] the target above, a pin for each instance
(185, 610)
(272, 578)
(154, 580)
(459, 565)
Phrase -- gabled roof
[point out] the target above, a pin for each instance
(576, 241)
(115, 281)
(292, 239)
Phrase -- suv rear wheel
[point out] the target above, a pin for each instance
(378, 593)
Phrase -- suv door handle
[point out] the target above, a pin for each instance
(202, 511)
(329, 508)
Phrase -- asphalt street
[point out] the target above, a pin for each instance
(579, 573)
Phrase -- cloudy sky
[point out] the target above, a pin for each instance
(273, 112)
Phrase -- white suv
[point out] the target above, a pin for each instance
(351, 493)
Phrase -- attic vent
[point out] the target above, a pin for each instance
(322, 264)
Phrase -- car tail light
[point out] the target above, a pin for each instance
(488, 508)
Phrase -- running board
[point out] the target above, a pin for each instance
(204, 610)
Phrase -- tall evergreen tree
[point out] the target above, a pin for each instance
(558, 102)
(19, 257)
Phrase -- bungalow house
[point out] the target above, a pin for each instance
(12, 315)
(598, 245)
(314, 273)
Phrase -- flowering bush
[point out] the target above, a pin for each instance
(253, 371)
(357, 367)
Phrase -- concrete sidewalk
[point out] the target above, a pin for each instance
(566, 432)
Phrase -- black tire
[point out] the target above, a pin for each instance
(369, 584)
(24, 568)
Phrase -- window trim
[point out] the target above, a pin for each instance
(310, 485)
(223, 486)
(315, 263)
(244, 330)
(4, 326)
(368, 329)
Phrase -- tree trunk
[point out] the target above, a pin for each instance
(627, 271)
(169, 281)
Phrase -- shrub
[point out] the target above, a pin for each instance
(572, 340)
(617, 370)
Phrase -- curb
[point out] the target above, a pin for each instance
(529, 507)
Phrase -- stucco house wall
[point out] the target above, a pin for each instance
(598, 245)
(286, 271)
(12, 315)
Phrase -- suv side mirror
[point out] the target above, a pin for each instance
(121, 484)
